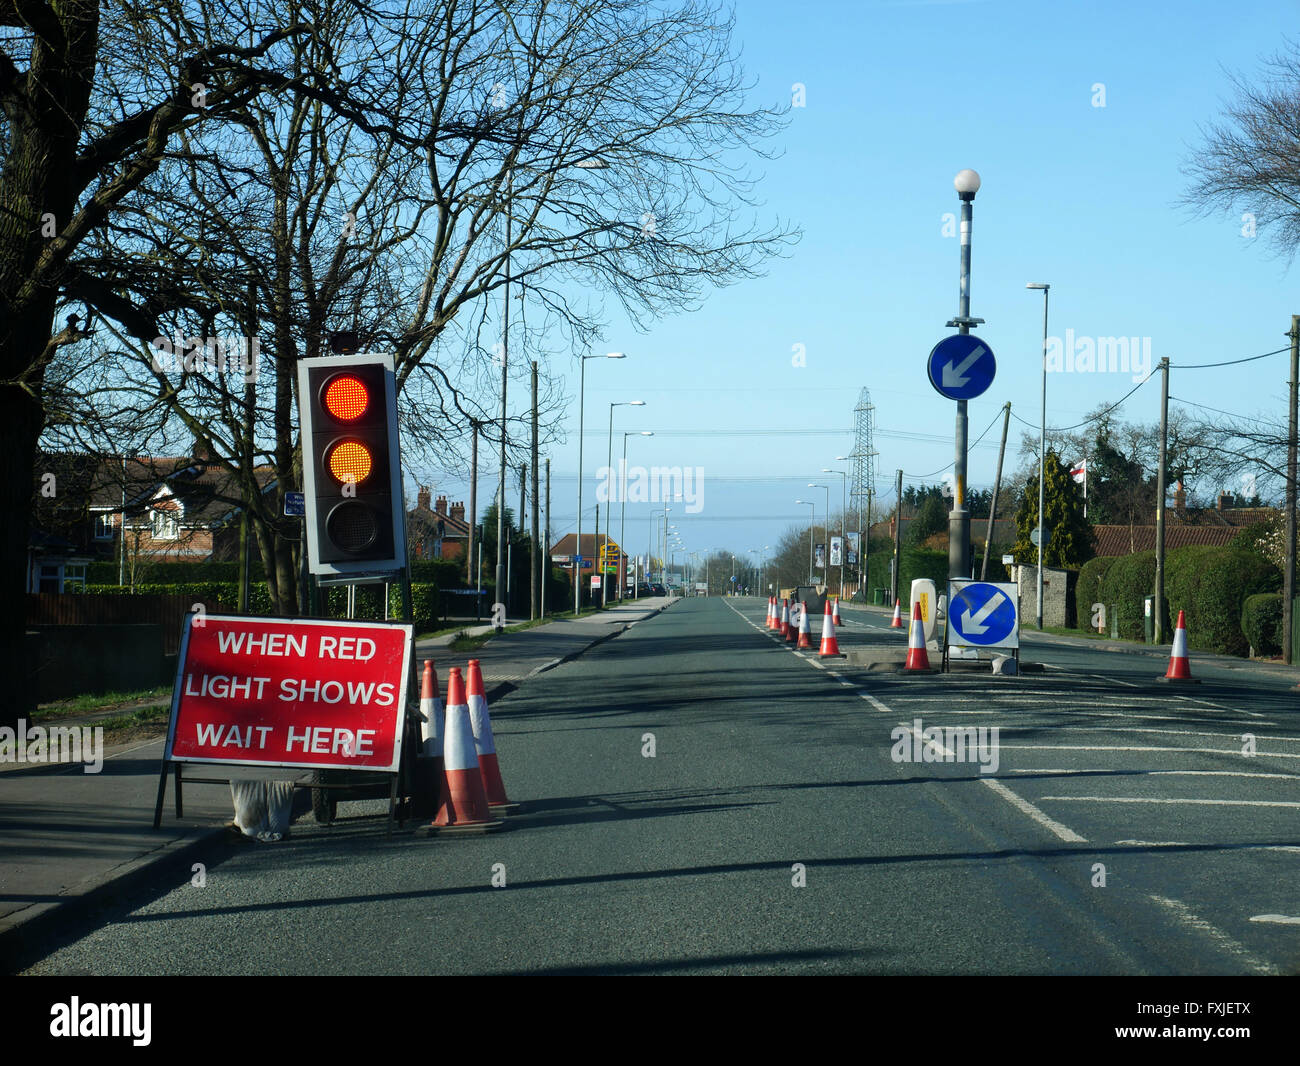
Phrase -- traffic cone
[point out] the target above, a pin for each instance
(1179, 665)
(805, 630)
(431, 709)
(835, 614)
(830, 646)
(486, 744)
(785, 619)
(897, 623)
(462, 803)
(917, 659)
(791, 629)
(771, 612)
(428, 762)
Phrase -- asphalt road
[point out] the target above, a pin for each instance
(775, 830)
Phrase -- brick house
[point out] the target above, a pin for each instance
(437, 532)
(176, 510)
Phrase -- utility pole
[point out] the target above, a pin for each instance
(473, 503)
(997, 483)
(898, 535)
(1160, 505)
(546, 543)
(535, 558)
(1288, 597)
(967, 184)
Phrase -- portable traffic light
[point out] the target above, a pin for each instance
(351, 465)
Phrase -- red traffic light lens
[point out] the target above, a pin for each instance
(347, 398)
(350, 462)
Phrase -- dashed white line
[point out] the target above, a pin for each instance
(1023, 805)
(1185, 915)
(1172, 802)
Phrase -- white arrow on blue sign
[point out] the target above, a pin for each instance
(961, 367)
(983, 614)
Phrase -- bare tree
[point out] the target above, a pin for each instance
(573, 148)
(1250, 159)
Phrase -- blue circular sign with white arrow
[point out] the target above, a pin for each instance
(961, 366)
(983, 614)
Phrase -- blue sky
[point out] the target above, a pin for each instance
(899, 97)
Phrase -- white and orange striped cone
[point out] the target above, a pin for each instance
(835, 614)
(1179, 665)
(431, 710)
(787, 630)
(917, 659)
(428, 763)
(897, 623)
(830, 646)
(771, 612)
(805, 630)
(462, 803)
(486, 744)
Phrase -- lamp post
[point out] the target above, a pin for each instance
(813, 507)
(1042, 457)
(844, 546)
(609, 462)
(622, 520)
(577, 551)
(828, 525)
(967, 184)
(652, 541)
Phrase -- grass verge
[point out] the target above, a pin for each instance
(107, 701)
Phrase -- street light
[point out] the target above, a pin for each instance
(844, 517)
(967, 184)
(622, 521)
(609, 462)
(808, 503)
(1042, 455)
(577, 551)
(828, 524)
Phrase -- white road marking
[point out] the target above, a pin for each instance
(1183, 844)
(875, 702)
(1164, 773)
(1023, 805)
(1114, 680)
(1185, 915)
(1276, 919)
(1113, 747)
(1175, 802)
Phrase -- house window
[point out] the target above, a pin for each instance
(51, 578)
(104, 527)
(74, 574)
(163, 524)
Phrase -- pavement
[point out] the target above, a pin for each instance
(72, 843)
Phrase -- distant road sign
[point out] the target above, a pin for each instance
(295, 505)
(961, 366)
(983, 614)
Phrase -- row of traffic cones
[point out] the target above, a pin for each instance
(463, 754)
(778, 620)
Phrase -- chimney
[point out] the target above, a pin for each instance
(458, 511)
(1180, 498)
(1225, 501)
(422, 498)
(441, 505)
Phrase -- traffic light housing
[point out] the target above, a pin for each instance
(351, 466)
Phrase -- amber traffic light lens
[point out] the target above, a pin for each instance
(346, 398)
(350, 462)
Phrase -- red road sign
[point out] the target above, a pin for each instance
(290, 692)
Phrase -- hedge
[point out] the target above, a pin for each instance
(1127, 581)
(1261, 622)
(445, 573)
(1088, 589)
(1211, 584)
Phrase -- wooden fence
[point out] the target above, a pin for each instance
(72, 609)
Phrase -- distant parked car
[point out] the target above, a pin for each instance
(658, 590)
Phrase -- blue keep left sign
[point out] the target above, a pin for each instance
(983, 614)
(961, 367)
